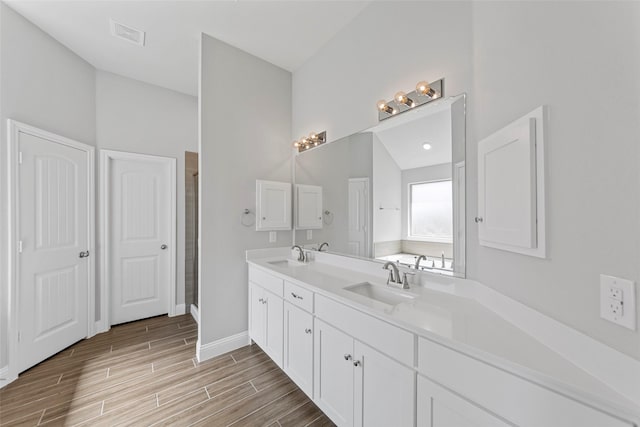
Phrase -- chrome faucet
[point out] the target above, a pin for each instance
(394, 274)
(420, 258)
(442, 259)
(322, 246)
(301, 256)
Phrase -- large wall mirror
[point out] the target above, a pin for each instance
(394, 192)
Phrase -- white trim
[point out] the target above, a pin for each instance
(101, 326)
(179, 310)
(195, 313)
(14, 128)
(105, 295)
(221, 346)
(5, 379)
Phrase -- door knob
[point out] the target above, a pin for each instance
(357, 363)
(163, 247)
(84, 254)
(479, 219)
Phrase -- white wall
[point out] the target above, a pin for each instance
(579, 58)
(43, 84)
(142, 118)
(387, 182)
(245, 125)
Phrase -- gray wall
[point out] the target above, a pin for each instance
(141, 118)
(245, 125)
(43, 84)
(579, 58)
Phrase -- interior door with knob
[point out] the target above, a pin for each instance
(54, 226)
(140, 218)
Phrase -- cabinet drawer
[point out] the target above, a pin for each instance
(298, 296)
(266, 280)
(517, 400)
(384, 337)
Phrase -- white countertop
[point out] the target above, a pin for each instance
(448, 314)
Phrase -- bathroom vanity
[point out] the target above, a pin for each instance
(437, 354)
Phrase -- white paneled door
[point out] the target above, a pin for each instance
(53, 232)
(141, 260)
(359, 217)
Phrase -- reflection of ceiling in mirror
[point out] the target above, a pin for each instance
(405, 143)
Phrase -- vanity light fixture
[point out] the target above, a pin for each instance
(425, 92)
(313, 140)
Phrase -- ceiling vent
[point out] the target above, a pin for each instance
(127, 33)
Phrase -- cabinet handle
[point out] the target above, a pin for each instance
(296, 296)
(307, 331)
(356, 363)
(479, 219)
(347, 357)
(260, 300)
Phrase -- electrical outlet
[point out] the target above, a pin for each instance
(309, 234)
(273, 236)
(618, 301)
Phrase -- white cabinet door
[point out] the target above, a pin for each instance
(298, 347)
(273, 341)
(273, 205)
(438, 407)
(511, 187)
(256, 315)
(265, 321)
(384, 390)
(309, 206)
(333, 373)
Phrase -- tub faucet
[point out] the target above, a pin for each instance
(301, 256)
(420, 258)
(442, 259)
(394, 273)
(322, 246)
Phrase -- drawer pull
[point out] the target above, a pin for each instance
(356, 363)
(347, 357)
(307, 331)
(296, 296)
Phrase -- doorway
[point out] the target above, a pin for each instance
(191, 181)
(139, 227)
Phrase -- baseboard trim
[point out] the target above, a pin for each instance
(100, 327)
(195, 313)
(180, 310)
(4, 376)
(221, 346)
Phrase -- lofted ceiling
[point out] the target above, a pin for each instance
(405, 135)
(285, 33)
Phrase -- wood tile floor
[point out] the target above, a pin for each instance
(145, 373)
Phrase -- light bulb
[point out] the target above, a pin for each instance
(382, 106)
(296, 144)
(426, 146)
(313, 136)
(424, 89)
(401, 98)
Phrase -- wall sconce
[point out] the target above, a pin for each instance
(425, 92)
(308, 142)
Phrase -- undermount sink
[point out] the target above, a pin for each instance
(285, 263)
(379, 293)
